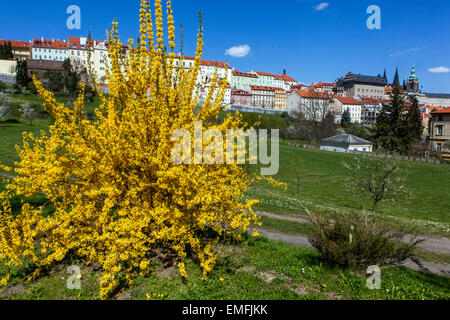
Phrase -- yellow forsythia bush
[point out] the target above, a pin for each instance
(116, 191)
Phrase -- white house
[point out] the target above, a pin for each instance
(49, 50)
(314, 105)
(346, 143)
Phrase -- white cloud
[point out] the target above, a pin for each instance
(407, 51)
(322, 6)
(238, 51)
(439, 70)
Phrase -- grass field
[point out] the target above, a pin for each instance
(323, 188)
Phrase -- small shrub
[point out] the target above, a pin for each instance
(357, 241)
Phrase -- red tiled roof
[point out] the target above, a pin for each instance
(242, 74)
(322, 84)
(312, 94)
(75, 43)
(442, 111)
(210, 63)
(265, 88)
(372, 101)
(433, 108)
(267, 74)
(348, 100)
(16, 44)
(54, 44)
(286, 78)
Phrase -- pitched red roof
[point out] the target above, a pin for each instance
(322, 84)
(370, 101)
(286, 78)
(312, 94)
(16, 44)
(210, 63)
(433, 108)
(54, 44)
(267, 74)
(348, 100)
(442, 111)
(265, 88)
(242, 74)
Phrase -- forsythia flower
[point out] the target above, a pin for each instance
(116, 192)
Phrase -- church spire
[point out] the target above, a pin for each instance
(413, 76)
(396, 79)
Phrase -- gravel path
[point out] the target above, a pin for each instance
(431, 243)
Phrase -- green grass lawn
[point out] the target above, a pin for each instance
(11, 135)
(249, 271)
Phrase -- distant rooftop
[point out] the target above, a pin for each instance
(364, 79)
(347, 139)
(438, 95)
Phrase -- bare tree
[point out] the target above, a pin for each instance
(317, 112)
(380, 177)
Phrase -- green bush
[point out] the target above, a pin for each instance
(357, 241)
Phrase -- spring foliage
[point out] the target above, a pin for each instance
(117, 194)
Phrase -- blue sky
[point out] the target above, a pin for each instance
(313, 45)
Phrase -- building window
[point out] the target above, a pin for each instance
(439, 130)
(439, 147)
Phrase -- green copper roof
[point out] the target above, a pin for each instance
(413, 76)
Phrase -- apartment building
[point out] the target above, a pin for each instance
(342, 104)
(440, 131)
(49, 50)
(280, 98)
(263, 97)
(241, 98)
(314, 105)
(361, 86)
(241, 79)
(370, 109)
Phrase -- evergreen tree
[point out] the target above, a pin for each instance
(2, 51)
(9, 51)
(414, 125)
(21, 73)
(396, 79)
(346, 118)
(389, 128)
(6, 52)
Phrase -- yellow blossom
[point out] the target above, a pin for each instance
(116, 192)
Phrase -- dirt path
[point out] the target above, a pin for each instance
(432, 244)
